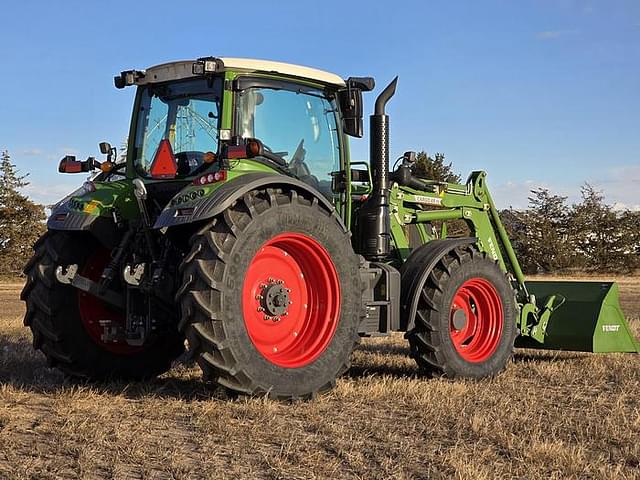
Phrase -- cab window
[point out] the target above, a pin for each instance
(186, 114)
(300, 127)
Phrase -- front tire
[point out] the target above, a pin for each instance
(271, 296)
(65, 322)
(466, 318)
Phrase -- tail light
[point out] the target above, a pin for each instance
(208, 178)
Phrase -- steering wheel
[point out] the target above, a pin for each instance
(185, 159)
(297, 165)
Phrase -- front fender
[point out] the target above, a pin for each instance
(416, 269)
(191, 204)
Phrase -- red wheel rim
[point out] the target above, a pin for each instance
(94, 312)
(291, 300)
(475, 320)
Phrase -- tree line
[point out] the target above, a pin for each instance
(588, 236)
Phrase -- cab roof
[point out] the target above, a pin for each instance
(185, 69)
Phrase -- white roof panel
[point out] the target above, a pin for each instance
(254, 65)
(182, 69)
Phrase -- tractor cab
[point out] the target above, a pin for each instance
(205, 121)
(195, 117)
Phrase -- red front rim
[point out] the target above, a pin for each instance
(475, 320)
(94, 313)
(291, 300)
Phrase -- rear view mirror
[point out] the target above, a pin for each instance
(350, 100)
(105, 148)
(351, 107)
(69, 164)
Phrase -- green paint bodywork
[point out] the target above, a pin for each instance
(118, 194)
(557, 315)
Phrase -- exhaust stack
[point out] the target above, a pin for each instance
(374, 221)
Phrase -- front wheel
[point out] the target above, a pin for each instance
(466, 317)
(271, 296)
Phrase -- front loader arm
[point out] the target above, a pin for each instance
(583, 316)
(472, 203)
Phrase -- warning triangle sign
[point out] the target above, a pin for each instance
(164, 162)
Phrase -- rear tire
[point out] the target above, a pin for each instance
(55, 315)
(271, 296)
(465, 323)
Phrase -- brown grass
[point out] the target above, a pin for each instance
(550, 415)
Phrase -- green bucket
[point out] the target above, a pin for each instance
(590, 319)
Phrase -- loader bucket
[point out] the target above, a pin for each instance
(590, 320)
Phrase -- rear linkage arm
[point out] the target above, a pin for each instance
(69, 276)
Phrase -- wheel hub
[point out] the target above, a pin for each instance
(458, 319)
(275, 298)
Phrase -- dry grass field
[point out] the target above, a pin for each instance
(550, 415)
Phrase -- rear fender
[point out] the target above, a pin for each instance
(92, 211)
(191, 206)
(416, 269)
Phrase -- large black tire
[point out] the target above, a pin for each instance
(54, 318)
(214, 274)
(435, 341)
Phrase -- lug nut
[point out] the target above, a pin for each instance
(258, 297)
(260, 309)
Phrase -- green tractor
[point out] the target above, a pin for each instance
(236, 224)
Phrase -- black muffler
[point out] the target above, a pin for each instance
(373, 218)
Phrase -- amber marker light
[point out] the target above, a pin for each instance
(106, 167)
(209, 157)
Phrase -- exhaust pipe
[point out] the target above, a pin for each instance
(374, 222)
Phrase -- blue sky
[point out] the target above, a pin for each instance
(537, 93)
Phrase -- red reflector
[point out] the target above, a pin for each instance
(164, 163)
(236, 151)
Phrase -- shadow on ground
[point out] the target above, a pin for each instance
(27, 370)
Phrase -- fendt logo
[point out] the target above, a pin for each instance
(492, 247)
(610, 328)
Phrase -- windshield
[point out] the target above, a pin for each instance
(186, 114)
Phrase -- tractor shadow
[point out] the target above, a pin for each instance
(546, 356)
(26, 370)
